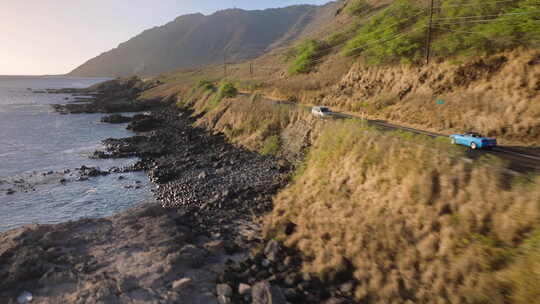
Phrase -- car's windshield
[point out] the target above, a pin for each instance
(325, 110)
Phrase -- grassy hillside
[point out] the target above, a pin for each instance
(408, 218)
(370, 60)
(411, 220)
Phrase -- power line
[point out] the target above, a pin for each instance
(375, 31)
(369, 44)
(482, 16)
(482, 34)
(389, 39)
(289, 48)
(400, 21)
(482, 4)
(456, 31)
(476, 21)
(372, 44)
(369, 13)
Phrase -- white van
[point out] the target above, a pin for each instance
(321, 111)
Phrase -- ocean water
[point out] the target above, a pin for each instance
(35, 140)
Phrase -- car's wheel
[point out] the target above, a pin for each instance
(453, 141)
(474, 146)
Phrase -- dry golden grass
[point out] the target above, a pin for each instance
(499, 99)
(251, 122)
(487, 95)
(498, 96)
(418, 224)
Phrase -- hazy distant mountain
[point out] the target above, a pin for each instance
(196, 40)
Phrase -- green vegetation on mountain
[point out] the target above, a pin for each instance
(306, 55)
(460, 27)
(207, 85)
(227, 90)
(398, 31)
(508, 24)
(382, 39)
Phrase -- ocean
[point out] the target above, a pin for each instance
(34, 141)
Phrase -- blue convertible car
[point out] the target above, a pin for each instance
(473, 140)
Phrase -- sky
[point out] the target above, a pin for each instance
(39, 37)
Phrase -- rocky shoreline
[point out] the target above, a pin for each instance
(199, 242)
(113, 96)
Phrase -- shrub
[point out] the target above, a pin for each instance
(180, 104)
(271, 146)
(227, 90)
(306, 54)
(207, 85)
(252, 85)
(337, 38)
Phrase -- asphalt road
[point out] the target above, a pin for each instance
(519, 159)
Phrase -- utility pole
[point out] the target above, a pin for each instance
(428, 36)
(251, 69)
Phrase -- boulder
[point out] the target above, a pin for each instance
(224, 300)
(272, 250)
(24, 298)
(115, 119)
(181, 284)
(244, 289)
(143, 125)
(190, 255)
(215, 247)
(202, 175)
(264, 293)
(224, 290)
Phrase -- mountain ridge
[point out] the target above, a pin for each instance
(195, 40)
